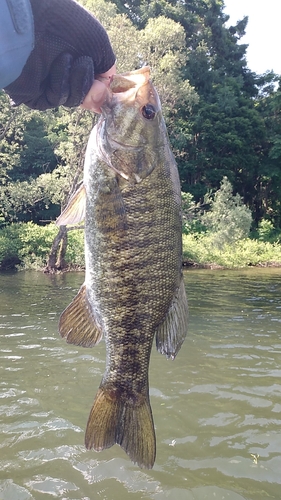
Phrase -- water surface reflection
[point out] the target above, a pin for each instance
(216, 407)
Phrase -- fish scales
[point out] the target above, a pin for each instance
(133, 254)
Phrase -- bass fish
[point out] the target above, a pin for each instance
(133, 290)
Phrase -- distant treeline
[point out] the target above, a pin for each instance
(215, 233)
(223, 120)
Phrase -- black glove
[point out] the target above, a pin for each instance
(71, 47)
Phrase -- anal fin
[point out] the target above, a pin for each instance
(77, 323)
(171, 333)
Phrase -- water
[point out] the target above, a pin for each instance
(216, 407)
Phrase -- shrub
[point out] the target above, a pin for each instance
(28, 245)
(9, 246)
(201, 250)
(191, 215)
(266, 231)
(36, 242)
(228, 219)
(75, 248)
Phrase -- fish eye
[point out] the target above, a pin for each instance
(148, 111)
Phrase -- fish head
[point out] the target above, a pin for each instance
(129, 131)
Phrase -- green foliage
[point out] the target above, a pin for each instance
(32, 199)
(267, 232)
(191, 215)
(28, 246)
(75, 255)
(200, 250)
(9, 247)
(223, 120)
(26, 148)
(42, 160)
(228, 219)
(34, 244)
(268, 205)
(163, 48)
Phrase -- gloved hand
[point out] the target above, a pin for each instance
(71, 47)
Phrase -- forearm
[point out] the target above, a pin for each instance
(16, 38)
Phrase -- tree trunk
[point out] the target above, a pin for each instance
(56, 260)
(61, 264)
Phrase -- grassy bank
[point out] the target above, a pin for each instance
(200, 250)
(26, 246)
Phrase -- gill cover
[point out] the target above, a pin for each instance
(128, 138)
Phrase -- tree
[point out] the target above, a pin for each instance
(223, 120)
(223, 132)
(228, 219)
(42, 159)
(268, 204)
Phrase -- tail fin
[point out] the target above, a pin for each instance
(113, 420)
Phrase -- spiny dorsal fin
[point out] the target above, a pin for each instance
(75, 210)
(77, 322)
(172, 331)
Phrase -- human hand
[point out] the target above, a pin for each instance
(98, 91)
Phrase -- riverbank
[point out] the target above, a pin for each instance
(201, 251)
(26, 246)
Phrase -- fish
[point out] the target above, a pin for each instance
(134, 291)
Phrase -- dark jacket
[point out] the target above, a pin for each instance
(16, 38)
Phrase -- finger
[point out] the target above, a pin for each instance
(95, 97)
(106, 77)
(81, 80)
(57, 85)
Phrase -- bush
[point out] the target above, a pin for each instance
(191, 215)
(228, 219)
(75, 248)
(36, 242)
(9, 247)
(28, 245)
(201, 250)
(267, 232)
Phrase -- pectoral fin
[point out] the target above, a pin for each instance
(75, 210)
(172, 331)
(77, 322)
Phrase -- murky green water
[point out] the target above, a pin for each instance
(215, 406)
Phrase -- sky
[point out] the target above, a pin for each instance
(263, 32)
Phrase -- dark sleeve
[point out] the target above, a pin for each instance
(16, 38)
(71, 46)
